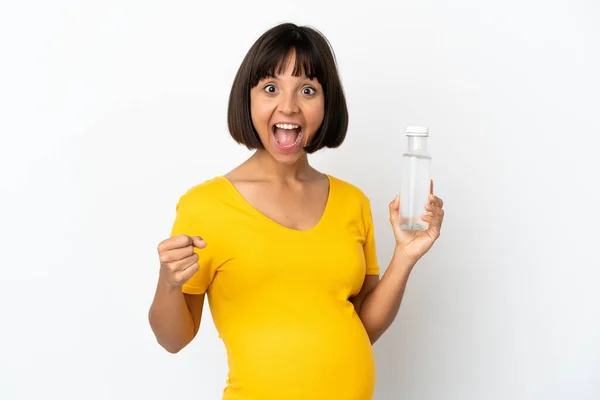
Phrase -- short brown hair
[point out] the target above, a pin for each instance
(314, 57)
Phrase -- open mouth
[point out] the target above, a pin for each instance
(287, 136)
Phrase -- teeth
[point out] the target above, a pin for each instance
(287, 126)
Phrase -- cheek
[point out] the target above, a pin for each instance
(315, 116)
(260, 114)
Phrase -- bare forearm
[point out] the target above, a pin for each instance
(170, 318)
(381, 305)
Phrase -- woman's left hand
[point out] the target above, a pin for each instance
(414, 244)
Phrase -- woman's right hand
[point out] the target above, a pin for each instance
(178, 261)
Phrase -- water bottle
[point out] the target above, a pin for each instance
(415, 177)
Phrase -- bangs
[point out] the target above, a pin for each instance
(276, 57)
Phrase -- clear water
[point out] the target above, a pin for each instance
(414, 190)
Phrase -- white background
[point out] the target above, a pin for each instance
(110, 110)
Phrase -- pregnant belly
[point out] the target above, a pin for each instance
(324, 358)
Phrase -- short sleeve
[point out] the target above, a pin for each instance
(369, 247)
(188, 221)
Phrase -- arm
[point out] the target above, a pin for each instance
(378, 302)
(175, 317)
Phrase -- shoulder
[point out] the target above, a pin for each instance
(209, 191)
(352, 201)
(349, 190)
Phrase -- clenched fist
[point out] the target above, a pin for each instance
(178, 261)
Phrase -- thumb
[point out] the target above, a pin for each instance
(395, 216)
(395, 212)
(198, 242)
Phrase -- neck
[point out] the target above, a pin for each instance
(271, 169)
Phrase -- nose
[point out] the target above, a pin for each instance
(288, 103)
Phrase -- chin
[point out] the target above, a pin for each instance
(286, 157)
(289, 159)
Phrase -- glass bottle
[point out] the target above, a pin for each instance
(415, 179)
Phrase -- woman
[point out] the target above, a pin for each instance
(285, 253)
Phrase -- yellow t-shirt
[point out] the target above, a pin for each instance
(279, 297)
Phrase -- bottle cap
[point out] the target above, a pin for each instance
(417, 131)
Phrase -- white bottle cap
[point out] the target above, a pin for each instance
(417, 131)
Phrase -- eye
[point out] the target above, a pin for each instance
(309, 90)
(270, 89)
